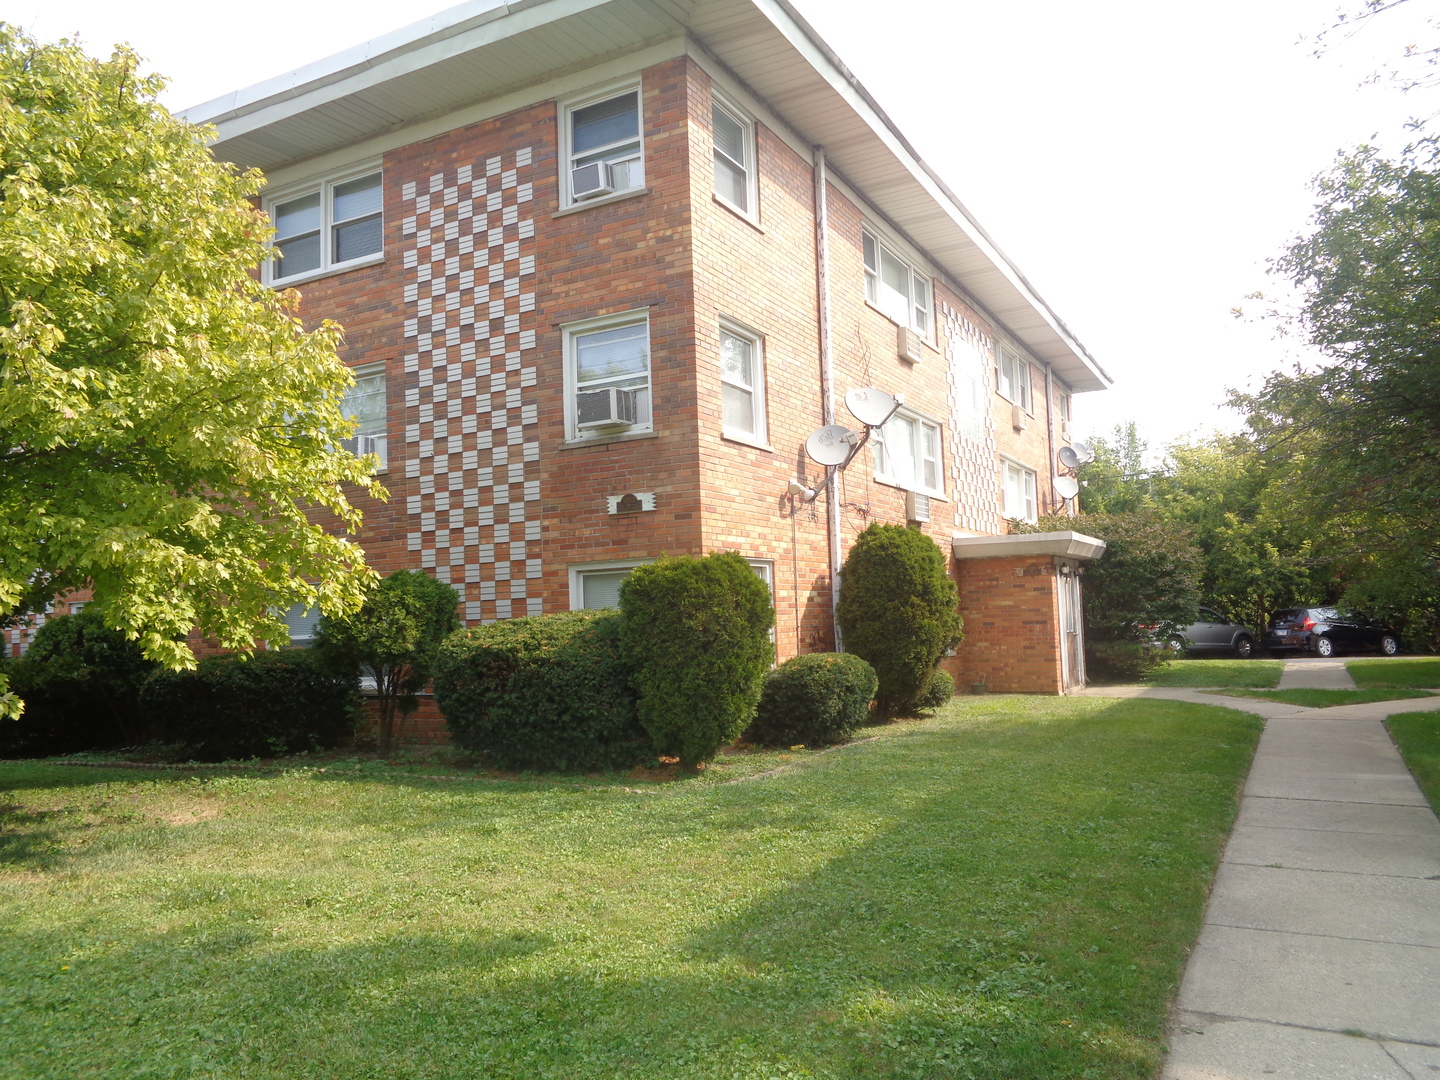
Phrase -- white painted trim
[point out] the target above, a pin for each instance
(746, 119)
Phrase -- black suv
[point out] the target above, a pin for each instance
(1326, 631)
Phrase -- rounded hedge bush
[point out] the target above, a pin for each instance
(80, 682)
(938, 690)
(696, 635)
(898, 610)
(816, 699)
(542, 692)
(261, 705)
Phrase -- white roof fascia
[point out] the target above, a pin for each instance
(1066, 544)
(821, 57)
(409, 49)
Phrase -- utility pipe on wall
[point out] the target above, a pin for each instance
(827, 380)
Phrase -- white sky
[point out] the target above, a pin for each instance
(1139, 160)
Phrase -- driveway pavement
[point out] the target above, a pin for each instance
(1319, 958)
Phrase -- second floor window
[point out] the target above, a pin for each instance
(1012, 377)
(608, 373)
(335, 224)
(734, 157)
(896, 287)
(605, 150)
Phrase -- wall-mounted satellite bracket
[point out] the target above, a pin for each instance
(835, 445)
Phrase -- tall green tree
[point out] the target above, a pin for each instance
(1118, 481)
(1360, 432)
(169, 424)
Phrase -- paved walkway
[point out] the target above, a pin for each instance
(1319, 957)
(1313, 673)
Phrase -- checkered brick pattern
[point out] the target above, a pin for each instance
(472, 449)
(975, 479)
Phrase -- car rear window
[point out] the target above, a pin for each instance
(1287, 614)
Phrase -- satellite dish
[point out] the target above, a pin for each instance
(1069, 459)
(830, 445)
(1086, 455)
(1067, 487)
(870, 406)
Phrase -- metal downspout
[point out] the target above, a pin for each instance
(827, 381)
(1050, 430)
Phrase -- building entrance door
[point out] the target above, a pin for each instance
(1072, 626)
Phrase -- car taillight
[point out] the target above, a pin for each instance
(1308, 624)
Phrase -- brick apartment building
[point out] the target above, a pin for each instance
(603, 266)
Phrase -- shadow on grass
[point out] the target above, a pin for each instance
(1020, 910)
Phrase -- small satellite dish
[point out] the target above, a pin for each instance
(830, 445)
(870, 406)
(1067, 487)
(1086, 454)
(1069, 459)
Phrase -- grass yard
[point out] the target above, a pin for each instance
(1247, 674)
(1416, 672)
(1006, 891)
(1324, 699)
(1418, 737)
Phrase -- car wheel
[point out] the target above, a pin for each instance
(1244, 647)
(1324, 646)
(1388, 645)
(1177, 645)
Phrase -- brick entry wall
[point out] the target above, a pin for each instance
(1011, 610)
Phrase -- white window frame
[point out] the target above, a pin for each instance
(325, 186)
(572, 332)
(751, 210)
(579, 570)
(1012, 377)
(920, 302)
(765, 571)
(1029, 489)
(568, 108)
(883, 459)
(760, 436)
(372, 371)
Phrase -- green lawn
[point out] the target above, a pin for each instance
(1416, 672)
(1418, 737)
(1241, 673)
(1006, 891)
(1325, 699)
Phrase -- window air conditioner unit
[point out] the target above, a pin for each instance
(611, 407)
(917, 506)
(1018, 418)
(591, 181)
(908, 345)
(361, 445)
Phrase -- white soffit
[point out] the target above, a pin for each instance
(1068, 545)
(484, 48)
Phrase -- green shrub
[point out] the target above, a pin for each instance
(262, 705)
(696, 635)
(898, 611)
(543, 692)
(80, 682)
(938, 691)
(393, 639)
(816, 699)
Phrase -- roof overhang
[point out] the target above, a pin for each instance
(1065, 545)
(487, 48)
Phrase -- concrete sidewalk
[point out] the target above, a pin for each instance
(1319, 957)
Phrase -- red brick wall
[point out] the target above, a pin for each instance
(1012, 617)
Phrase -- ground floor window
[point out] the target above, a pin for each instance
(301, 621)
(1019, 487)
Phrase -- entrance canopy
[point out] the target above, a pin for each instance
(1068, 545)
